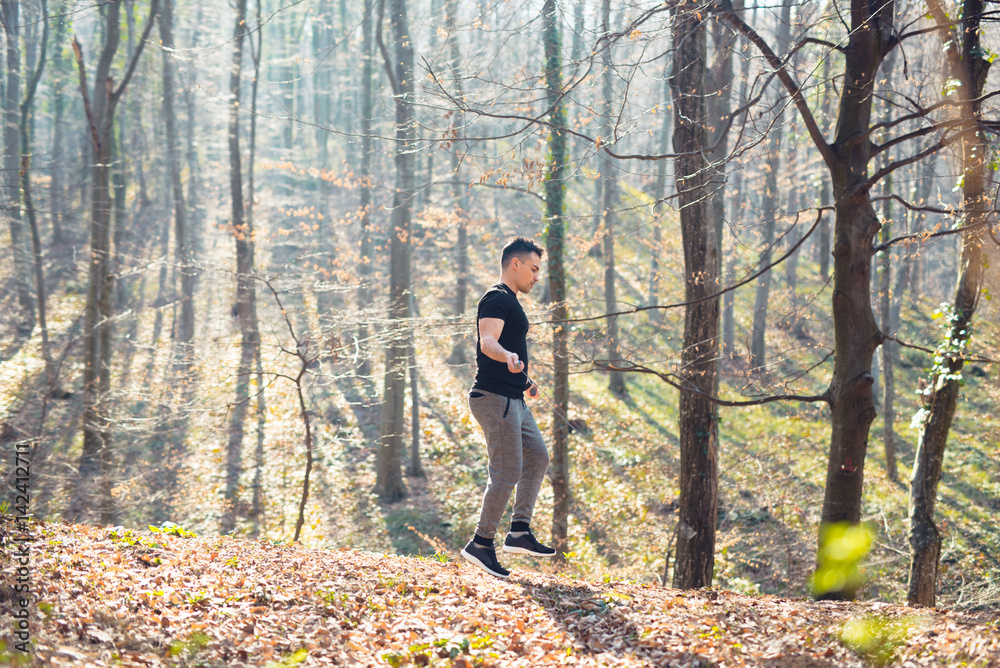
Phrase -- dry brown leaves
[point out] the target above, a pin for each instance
(217, 601)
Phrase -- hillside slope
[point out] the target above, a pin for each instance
(107, 597)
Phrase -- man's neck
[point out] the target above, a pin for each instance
(510, 284)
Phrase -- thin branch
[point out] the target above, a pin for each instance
(37, 75)
(94, 134)
(386, 58)
(678, 384)
(154, 7)
(752, 277)
(821, 42)
(795, 90)
(958, 230)
(916, 157)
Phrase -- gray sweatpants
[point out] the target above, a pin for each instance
(518, 458)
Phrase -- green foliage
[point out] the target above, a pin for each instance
(842, 547)
(875, 638)
(13, 658)
(292, 659)
(172, 529)
(193, 644)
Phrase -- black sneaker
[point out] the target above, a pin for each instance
(526, 544)
(485, 556)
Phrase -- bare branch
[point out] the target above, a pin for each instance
(652, 307)
(668, 378)
(94, 134)
(154, 6)
(386, 58)
(794, 89)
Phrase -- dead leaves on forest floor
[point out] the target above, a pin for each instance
(151, 599)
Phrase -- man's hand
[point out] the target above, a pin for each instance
(514, 365)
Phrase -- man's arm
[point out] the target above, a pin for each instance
(489, 333)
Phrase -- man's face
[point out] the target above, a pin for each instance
(527, 271)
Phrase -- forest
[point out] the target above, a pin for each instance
(244, 241)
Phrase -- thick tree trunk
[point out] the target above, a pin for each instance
(555, 240)
(389, 473)
(697, 419)
(246, 302)
(616, 379)
(856, 334)
(970, 67)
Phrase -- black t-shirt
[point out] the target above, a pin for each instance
(492, 376)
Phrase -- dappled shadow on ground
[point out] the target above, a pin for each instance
(599, 624)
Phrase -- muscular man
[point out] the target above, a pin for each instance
(517, 454)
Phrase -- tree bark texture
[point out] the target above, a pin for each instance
(389, 472)
(697, 420)
(246, 293)
(555, 242)
(968, 65)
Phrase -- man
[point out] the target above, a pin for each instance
(517, 454)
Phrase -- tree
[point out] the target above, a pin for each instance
(96, 460)
(969, 65)
(769, 205)
(182, 241)
(616, 378)
(246, 293)
(555, 239)
(10, 13)
(697, 419)
(389, 482)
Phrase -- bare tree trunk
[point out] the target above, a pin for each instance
(826, 198)
(886, 295)
(659, 196)
(367, 250)
(457, 356)
(414, 468)
(246, 295)
(856, 335)
(740, 191)
(616, 379)
(11, 203)
(769, 207)
(182, 245)
(96, 459)
(968, 65)
(389, 472)
(60, 73)
(29, 206)
(555, 240)
(697, 420)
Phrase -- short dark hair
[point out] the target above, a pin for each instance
(519, 247)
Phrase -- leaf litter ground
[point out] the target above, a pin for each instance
(138, 598)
